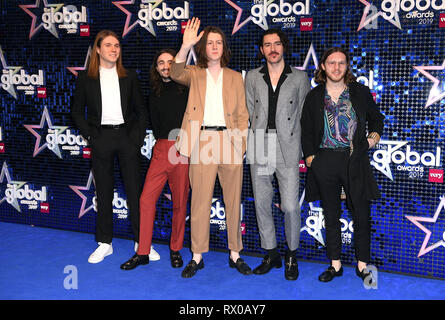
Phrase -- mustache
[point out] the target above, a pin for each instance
(273, 52)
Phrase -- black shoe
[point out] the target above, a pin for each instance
(192, 267)
(291, 268)
(267, 265)
(364, 274)
(135, 261)
(176, 259)
(330, 274)
(240, 265)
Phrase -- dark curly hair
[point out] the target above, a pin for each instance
(155, 77)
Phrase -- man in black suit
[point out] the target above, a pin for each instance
(114, 125)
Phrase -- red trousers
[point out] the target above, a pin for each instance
(166, 164)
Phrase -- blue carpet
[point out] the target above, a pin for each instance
(33, 261)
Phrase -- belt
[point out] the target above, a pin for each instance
(213, 128)
(113, 126)
(345, 149)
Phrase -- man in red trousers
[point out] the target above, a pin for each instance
(167, 104)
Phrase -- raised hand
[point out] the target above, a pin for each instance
(191, 36)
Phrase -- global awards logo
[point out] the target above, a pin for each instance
(150, 13)
(16, 78)
(56, 16)
(315, 224)
(280, 12)
(21, 193)
(405, 159)
(218, 215)
(420, 12)
(56, 138)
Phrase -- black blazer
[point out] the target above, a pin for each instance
(88, 94)
(361, 179)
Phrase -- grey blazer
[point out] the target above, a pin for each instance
(289, 107)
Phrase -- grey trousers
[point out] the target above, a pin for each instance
(288, 182)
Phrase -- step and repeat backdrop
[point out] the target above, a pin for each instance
(397, 49)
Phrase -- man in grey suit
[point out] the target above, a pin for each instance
(275, 94)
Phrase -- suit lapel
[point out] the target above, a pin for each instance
(282, 103)
(123, 90)
(97, 93)
(355, 104)
(226, 90)
(264, 93)
(202, 84)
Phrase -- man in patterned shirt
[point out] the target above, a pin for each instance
(337, 114)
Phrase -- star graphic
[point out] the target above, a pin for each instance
(5, 173)
(78, 190)
(45, 119)
(383, 164)
(11, 89)
(237, 26)
(416, 220)
(33, 30)
(310, 53)
(394, 18)
(435, 92)
(191, 57)
(74, 70)
(128, 27)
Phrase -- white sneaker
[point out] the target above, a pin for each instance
(153, 256)
(101, 252)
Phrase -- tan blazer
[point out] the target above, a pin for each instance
(235, 111)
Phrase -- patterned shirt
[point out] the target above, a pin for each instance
(340, 121)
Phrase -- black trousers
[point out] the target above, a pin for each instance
(330, 169)
(112, 143)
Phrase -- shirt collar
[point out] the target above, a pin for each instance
(287, 69)
(108, 71)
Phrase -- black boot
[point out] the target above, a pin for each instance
(271, 260)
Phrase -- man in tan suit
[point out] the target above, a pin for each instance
(213, 135)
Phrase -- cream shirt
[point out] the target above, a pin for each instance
(214, 108)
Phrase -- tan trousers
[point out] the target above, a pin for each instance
(215, 155)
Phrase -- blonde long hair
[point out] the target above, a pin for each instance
(93, 66)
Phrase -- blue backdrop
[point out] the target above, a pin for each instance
(397, 49)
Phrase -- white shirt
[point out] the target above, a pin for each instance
(111, 96)
(214, 108)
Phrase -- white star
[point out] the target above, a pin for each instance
(311, 53)
(435, 92)
(416, 220)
